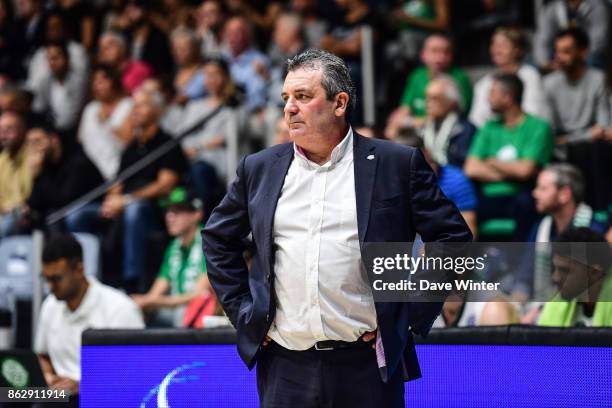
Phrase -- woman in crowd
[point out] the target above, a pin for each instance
(507, 51)
(102, 119)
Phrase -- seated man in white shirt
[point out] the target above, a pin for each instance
(76, 303)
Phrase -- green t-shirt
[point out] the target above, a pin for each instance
(531, 140)
(182, 267)
(414, 92)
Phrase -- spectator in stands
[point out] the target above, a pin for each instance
(344, 40)
(468, 310)
(581, 259)
(314, 27)
(135, 200)
(14, 99)
(30, 25)
(189, 78)
(182, 276)
(506, 155)
(59, 177)
(206, 148)
(558, 195)
(437, 57)
(286, 43)
(101, 120)
(417, 19)
(262, 14)
(11, 53)
(113, 51)
(76, 303)
(60, 97)
(589, 15)
(249, 67)
(80, 20)
(507, 51)
(55, 32)
(580, 111)
(446, 139)
(170, 15)
(210, 18)
(447, 136)
(148, 43)
(15, 172)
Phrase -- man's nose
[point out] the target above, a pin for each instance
(290, 106)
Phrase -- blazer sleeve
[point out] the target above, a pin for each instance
(223, 241)
(436, 219)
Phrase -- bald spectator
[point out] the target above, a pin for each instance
(134, 201)
(210, 18)
(113, 51)
(591, 16)
(249, 67)
(15, 172)
(437, 57)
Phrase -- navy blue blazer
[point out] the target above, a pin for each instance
(397, 196)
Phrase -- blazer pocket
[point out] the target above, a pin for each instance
(386, 202)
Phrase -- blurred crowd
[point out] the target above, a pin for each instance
(510, 102)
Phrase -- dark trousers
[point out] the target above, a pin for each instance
(325, 379)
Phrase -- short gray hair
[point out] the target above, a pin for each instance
(335, 78)
(570, 176)
(451, 90)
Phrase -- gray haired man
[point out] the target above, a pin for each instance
(305, 312)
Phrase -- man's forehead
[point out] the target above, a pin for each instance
(307, 78)
(55, 266)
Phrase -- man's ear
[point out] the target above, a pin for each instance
(342, 100)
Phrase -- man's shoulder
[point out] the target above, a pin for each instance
(112, 297)
(265, 156)
(536, 123)
(553, 80)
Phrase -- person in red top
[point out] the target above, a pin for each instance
(113, 50)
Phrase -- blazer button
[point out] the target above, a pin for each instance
(268, 317)
(268, 276)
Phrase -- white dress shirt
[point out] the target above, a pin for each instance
(321, 286)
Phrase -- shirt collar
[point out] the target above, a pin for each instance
(342, 149)
(88, 302)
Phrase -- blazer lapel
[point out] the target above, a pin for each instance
(365, 162)
(275, 177)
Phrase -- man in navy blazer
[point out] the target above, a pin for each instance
(288, 197)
